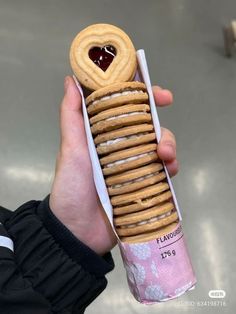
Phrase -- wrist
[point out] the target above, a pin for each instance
(93, 228)
(76, 249)
(100, 238)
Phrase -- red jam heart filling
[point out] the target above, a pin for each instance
(102, 56)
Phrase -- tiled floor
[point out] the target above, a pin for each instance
(184, 47)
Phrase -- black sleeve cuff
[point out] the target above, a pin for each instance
(45, 263)
(76, 249)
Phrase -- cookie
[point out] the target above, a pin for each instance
(135, 179)
(140, 195)
(137, 184)
(123, 138)
(116, 95)
(147, 220)
(163, 195)
(147, 226)
(121, 116)
(148, 236)
(129, 159)
(101, 55)
(144, 215)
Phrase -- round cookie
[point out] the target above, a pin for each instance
(135, 179)
(102, 54)
(137, 185)
(148, 236)
(123, 138)
(140, 195)
(116, 95)
(129, 158)
(143, 159)
(144, 215)
(118, 117)
(144, 203)
(149, 226)
(134, 174)
(145, 220)
(115, 88)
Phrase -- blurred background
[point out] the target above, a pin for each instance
(184, 48)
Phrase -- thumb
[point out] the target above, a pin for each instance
(71, 117)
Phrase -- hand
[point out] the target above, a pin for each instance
(74, 200)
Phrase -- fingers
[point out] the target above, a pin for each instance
(163, 97)
(172, 167)
(71, 118)
(167, 145)
(167, 151)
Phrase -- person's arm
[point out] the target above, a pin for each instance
(61, 244)
(50, 271)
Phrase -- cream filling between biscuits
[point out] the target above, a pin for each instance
(114, 95)
(121, 161)
(144, 222)
(125, 115)
(134, 180)
(121, 139)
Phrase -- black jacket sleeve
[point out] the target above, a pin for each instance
(50, 271)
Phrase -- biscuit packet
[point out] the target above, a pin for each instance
(158, 269)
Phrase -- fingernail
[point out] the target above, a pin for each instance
(157, 87)
(66, 83)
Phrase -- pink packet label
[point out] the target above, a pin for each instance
(158, 270)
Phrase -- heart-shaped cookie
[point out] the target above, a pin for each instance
(102, 54)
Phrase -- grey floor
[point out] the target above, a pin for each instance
(184, 47)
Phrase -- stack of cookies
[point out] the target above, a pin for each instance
(104, 61)
(125, 140)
